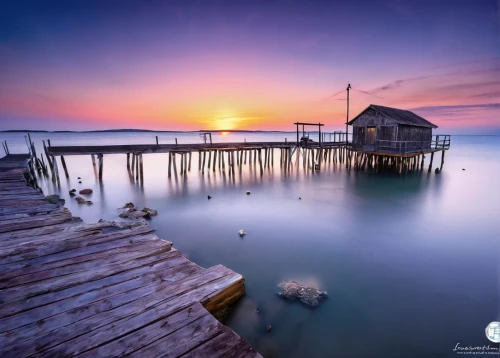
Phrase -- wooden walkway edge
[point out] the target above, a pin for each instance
(68, 288)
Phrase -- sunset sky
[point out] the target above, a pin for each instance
(189, 65)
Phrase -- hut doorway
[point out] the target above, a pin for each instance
(370, 135)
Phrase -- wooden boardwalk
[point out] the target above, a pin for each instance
(97, 290)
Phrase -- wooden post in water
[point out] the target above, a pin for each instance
(442, 160)
(260, 162)
(430, 164)
(156, 140)
(199, 160)
(422, 162)
(64, 166)
(128, 161)
(101, 165)
(189, 167)
(174, 159)
(223, 160)
(209, 158)
(182, 163)
(141, 168)
(136, 167)
(169, 164)
(215, 160)
(203, 164)
(56, 171)
(245, 157)
(232, 162)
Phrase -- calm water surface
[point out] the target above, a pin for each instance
(410, 263)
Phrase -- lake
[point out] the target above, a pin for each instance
(410, 263)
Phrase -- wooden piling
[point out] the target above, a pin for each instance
(64, 166)
(136, 167)
(203, 164)
(215, 160)
(442, 160)
(128, 161)
(169, 164)
(56, 171)
(209, 159)
(101, 165)
(141, 168)
(189, 167)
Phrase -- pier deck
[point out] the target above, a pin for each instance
(97, 290)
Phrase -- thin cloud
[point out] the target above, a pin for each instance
(396, 84)
(458, 107)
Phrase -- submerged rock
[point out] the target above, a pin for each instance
(54, 199)
(85, 191)
(268, 328)
(295, 291)
(121, 224)
(72, 191)
(133, 214)
(209, 197)
(80, 200)
(150, 212)
(248, 193)
(128, 206)
(242, 233)
(437, 171)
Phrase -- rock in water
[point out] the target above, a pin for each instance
(150, 212)
(248, 193)
(128, 206)
(242, 233)
(268, 328)
(80, 200)
(295, 291)
(133, 214)
(209, 197)
(54, 199)
(85, 191)
(437, 171)
(72, 191)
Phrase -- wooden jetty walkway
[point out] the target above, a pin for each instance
(210, 155)
(100, 290)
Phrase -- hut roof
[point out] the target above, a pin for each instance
(400, 116)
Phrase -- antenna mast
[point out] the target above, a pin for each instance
(347, 120)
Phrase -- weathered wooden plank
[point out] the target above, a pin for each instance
(82, 263)
(55, 217)
(167, 329)
(26, 326)
(124, 316)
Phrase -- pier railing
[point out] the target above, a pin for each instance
(407, 146)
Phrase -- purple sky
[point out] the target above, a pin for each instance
(83, 65)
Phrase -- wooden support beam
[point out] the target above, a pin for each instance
(133, 161)
(215, 160)
(128, 161)
(422, 162)
(101, 165)
(260, 161)
(199, 160)
(189, 167)
(203, 164)
(182, 163)
(442, 160)
(232, 162)
(136, 167)
(64, 166)
(56, 171)
(141, 168)
(430, 164)
(174, 159)
(169, 164)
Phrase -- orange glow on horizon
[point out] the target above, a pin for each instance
(224, 133)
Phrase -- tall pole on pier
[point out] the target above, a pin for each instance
(347, 120)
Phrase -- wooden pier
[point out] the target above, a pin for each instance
(102, 290)
(211, 156)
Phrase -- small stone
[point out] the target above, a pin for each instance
(300, 198)
(79, 178)
(79, 182)
(133, 214)
(80, 200)
(257, 310)
(242, 233)
(72, 191)
(89, 202)
(209, 197)
(268, 328)
(463, 169)
(85, 191)
(437, 171)
(248, 193)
